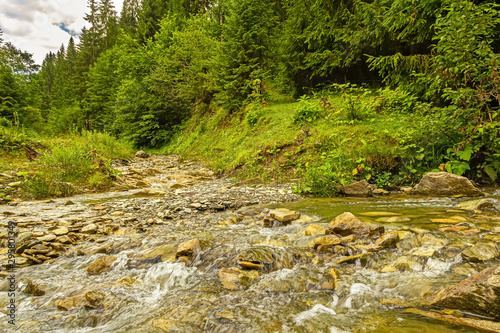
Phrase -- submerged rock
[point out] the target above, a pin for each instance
(347, 224)
(330, 241)
(265, 257)
(234, 278)
(190, 248)
(479, 294)
(480, 204)
(298, 279)
(250, 210)
(388, 240)
(69, 303)
(103, 264)
(472, 322)
(314, 229)
(444, 183)
(481, 252)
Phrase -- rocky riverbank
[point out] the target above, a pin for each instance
(185, 250)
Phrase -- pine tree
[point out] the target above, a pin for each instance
(246, 48)
(108, 23)
(94, 33)
(129, 16)
(150, 15)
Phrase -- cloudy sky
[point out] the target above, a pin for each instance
(40, 26)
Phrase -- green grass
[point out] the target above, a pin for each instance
(324, 143)
(66, 165)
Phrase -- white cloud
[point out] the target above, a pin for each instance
(33, 25)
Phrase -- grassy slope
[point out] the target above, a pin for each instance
(384, 146)
(66, 165)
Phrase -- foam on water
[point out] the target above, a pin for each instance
(313, 312)
(165, 277)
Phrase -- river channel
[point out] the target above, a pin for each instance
(181, 254)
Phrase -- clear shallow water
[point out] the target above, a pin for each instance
(288, 297)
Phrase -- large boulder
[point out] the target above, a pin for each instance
(359, 189)
(444, 183)
(141, 154)
(479, 294)
(348, 224)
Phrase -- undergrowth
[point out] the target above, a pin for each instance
(340, 135)
(63, 165)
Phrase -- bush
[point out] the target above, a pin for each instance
(307, 110)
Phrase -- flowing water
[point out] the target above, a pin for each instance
(148, 290)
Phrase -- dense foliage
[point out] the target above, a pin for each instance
(141, 74)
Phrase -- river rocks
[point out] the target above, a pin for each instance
(480, 204)
(387, 240)
(159, 254)
(362, 258)
(458, 320)
(347, 224)
(284, 215)
(444, 183)
(103, 264)
(69, 303)
(93, 299)
(429, 239)
(314, 229)
(89, 229)
(413, 241)
(298, 279)
(330, 240)
(263, 257)
(249, 210)
(24, 237)
(481, 252)
(47, 238)
(189, 249)
(234, 278)
(425, 251)
(257, 257)
(141, 154)
(479, 294)
(149, 192)
(35, 289)
(359, 189)
(60, 231)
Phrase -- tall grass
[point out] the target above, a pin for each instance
(75, 162)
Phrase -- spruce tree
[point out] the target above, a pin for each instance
(108, 23)
(150, 15)
(129, 16)
(247, 49)
(94, 33)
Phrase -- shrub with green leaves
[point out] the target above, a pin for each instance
(307, 110)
